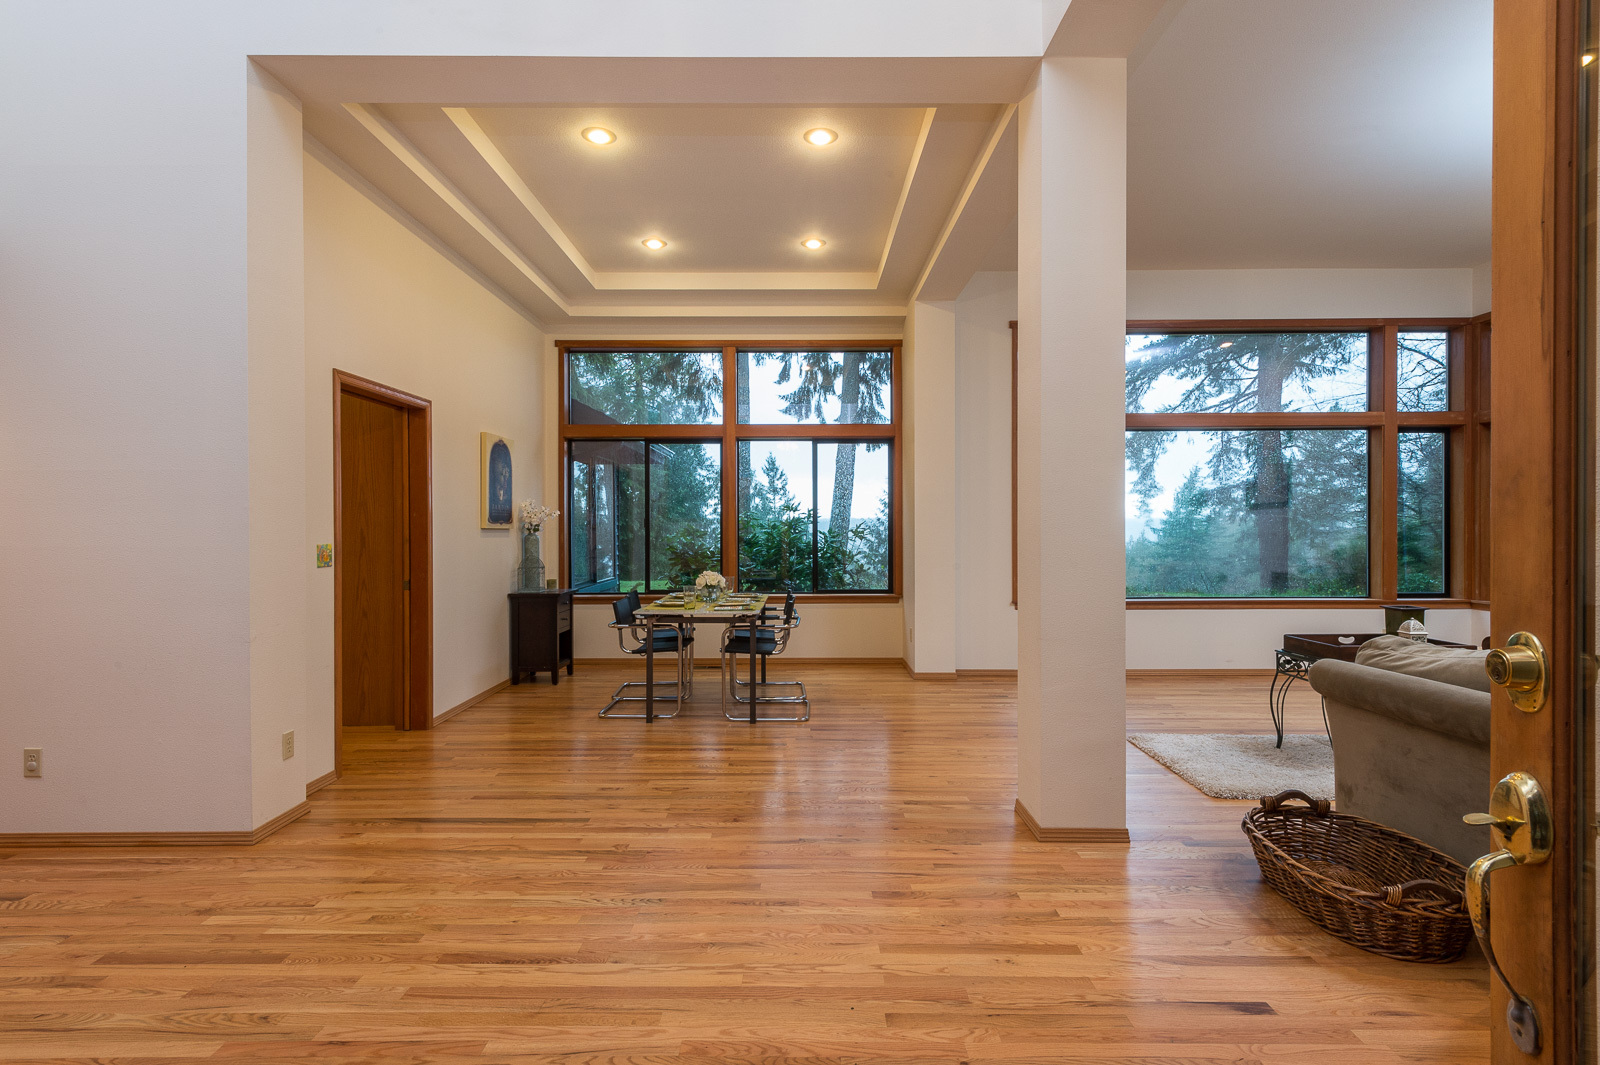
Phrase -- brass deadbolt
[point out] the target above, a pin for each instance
(1521, 669)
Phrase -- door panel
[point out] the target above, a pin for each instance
(1535, 503)
(372, 571)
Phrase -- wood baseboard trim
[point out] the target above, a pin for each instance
(314, 786)
(470, 703)
(1199, 674)
(1069, 835)
(155, 839)
(979, 674)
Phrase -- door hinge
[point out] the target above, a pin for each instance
(405, 586)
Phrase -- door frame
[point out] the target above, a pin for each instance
(1537, 502)
(419, 496)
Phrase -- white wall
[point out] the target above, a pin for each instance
(986, 621)
(382, 304)
(827, 630)
(1165, 295)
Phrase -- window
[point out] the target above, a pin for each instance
(777, 467)
(1269, 461)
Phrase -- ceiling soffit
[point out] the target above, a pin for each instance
(557, 223)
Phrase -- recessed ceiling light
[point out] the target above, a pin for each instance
(813, 243)
(820, 138)
(654, 243)
(599, 135)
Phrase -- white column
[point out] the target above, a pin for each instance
(1072, 261)
(930, 535)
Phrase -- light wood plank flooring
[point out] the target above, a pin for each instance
(531, 884)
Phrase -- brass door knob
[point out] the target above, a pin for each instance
(1520, 667)
(1523, 832)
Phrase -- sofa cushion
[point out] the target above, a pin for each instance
(1460, 666)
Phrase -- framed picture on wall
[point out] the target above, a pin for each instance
(495, 498)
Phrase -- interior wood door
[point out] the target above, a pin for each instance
(1540, 517)
(373, 571)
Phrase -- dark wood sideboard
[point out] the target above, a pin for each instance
(541, 633)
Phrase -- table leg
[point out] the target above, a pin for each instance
(1276, 699)
(649, 668)
(753, 619)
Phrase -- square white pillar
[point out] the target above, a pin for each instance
(930, 536)
(1072, 306)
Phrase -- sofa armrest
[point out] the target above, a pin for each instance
(1428, 704)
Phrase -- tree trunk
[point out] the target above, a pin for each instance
(844, 463)
(1271, 504)
(742, 391)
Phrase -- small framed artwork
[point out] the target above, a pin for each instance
(495, 504)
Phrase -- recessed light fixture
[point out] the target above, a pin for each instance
(654, 243)
(820, 138)
(813, 243)
(599, 135)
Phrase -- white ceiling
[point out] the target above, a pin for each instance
(1262, 133)
(1312, 133)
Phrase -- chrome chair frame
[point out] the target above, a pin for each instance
(778, 630)
(676, 691)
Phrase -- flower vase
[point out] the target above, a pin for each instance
(530, 572)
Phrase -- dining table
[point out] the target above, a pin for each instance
(685, 610)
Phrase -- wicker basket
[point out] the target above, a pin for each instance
(1371, 886)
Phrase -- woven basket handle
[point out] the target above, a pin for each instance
(1270, 803)
(1395, 892)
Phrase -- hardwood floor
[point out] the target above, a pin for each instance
(531, 884)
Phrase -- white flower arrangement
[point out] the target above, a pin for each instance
(534, 515)
(710, 579)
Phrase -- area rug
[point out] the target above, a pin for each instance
(1231, 766)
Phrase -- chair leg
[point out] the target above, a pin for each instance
(667, 691)
(734, 685)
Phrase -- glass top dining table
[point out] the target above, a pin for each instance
(677, 608)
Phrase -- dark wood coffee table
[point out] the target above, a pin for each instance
(1300, 649)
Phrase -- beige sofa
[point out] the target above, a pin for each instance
(1410, 728)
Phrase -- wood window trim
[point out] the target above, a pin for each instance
(1466, 581)
(730, 433)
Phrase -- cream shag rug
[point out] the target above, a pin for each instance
(1230, 766)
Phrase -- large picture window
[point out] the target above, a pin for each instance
(1272, 460)
(776, 466)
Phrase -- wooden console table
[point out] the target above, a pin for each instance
(541, 633)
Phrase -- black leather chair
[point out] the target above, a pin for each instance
(664, 638)
(771, 639)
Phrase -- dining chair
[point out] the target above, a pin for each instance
(662, 638)
(771, 639)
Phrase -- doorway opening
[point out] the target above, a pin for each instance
(383, 551)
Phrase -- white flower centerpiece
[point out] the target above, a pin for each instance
(710, 585)
(531, 517)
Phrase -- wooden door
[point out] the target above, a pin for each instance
(373, 570)
(1540, 514)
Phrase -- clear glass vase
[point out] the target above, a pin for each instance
(530, 571)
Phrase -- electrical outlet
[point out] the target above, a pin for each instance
(33, 761)
(288, 745)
